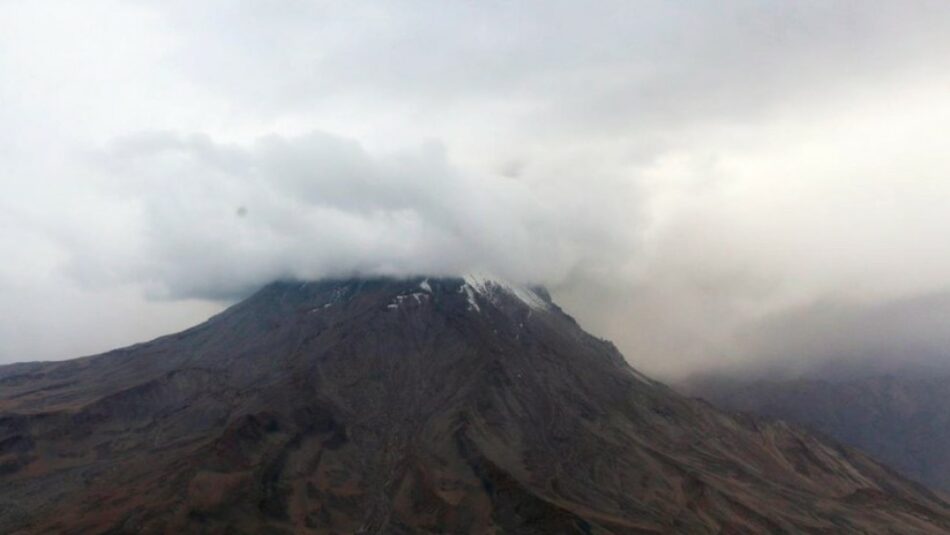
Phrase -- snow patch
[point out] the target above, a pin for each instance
(470, 295)
(400, 299)
(425, 286)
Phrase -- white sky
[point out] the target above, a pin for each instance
(685, 176)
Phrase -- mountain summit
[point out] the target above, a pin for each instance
(410, 406)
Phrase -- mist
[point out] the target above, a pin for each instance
(713, 186)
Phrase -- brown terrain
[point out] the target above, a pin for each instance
(411, 406)
(901, 418)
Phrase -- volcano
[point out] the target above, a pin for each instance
(421, 405)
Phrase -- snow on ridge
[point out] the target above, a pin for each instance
(425, 285)
(640, 377)
(486, 285)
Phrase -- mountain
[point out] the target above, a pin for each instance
(411, 406)
(900, 418)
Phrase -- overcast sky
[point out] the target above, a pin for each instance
(707, 183)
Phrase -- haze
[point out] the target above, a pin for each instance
(708, 184)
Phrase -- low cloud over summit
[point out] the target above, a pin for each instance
(221, 219)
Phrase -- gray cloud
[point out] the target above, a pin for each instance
(709, 184)
(830, 336)
(315, 205)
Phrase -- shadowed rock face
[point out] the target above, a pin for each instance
(901, 419)
(411, 406)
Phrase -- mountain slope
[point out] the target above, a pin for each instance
(406, 406)
(901, 419)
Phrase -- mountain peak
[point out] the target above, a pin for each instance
(413, 405)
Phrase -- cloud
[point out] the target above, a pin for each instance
(215, 220)
(686, 177)
(842, 337)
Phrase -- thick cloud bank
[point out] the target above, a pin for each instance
(710, 184)
(217, 220)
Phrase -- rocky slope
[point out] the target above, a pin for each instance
(902, 418)
(410, 406)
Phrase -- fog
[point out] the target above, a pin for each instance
(712, 185)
